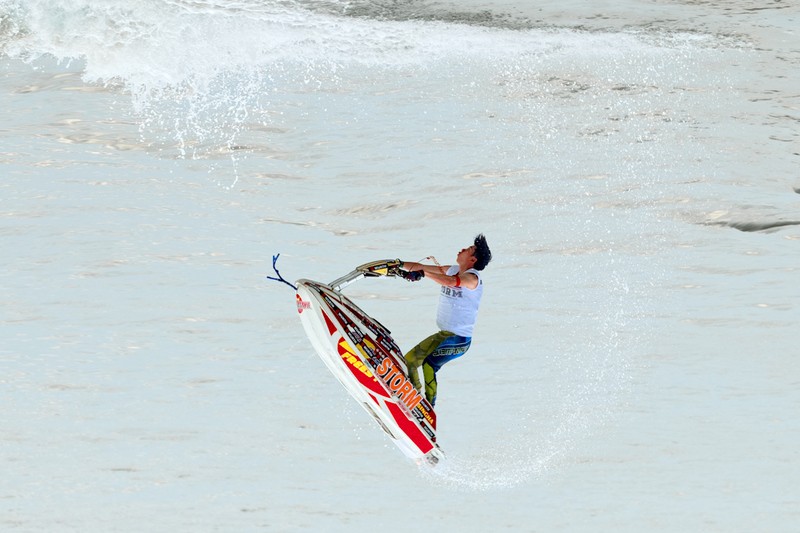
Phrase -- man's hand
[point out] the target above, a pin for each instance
(412, 276)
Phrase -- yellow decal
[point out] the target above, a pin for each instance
(351, 358)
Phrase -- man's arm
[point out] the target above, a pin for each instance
(410, 266)
(439, 275)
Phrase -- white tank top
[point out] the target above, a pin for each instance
(458, 306)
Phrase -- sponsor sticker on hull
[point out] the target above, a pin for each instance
(302, 305)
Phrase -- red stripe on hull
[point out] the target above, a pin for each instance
(408, 427)
(328, 323)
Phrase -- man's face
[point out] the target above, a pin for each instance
(465, 255)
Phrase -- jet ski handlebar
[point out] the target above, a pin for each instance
(373, 269)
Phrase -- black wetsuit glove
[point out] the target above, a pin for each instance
(412, 276)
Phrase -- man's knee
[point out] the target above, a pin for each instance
(412, 357)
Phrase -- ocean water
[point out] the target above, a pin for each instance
(633, 164)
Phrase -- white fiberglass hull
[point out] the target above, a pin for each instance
(361, 354)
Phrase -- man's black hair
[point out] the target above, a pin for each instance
(482, 252)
